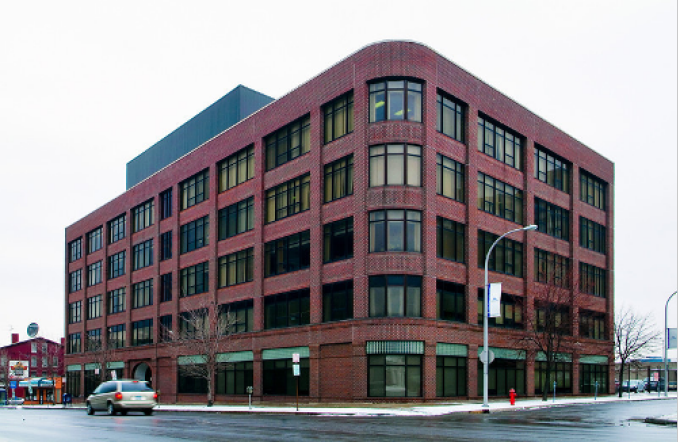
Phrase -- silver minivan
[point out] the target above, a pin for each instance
(122, 396)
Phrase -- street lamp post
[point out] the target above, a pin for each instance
(665, 344)
(486, 311)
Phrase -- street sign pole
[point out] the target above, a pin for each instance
(665, 344)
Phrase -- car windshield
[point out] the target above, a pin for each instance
(135, 386)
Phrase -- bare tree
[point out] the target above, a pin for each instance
(203, 334)
(101, 351)
(634, 333)
(549, 330)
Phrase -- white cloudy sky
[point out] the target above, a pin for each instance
(86, 86)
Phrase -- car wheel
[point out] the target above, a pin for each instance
(110, 409)
(148, 412)
(90, 410)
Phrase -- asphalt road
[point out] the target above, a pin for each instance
(601, 422)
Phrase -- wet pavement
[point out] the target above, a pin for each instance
(602, 421)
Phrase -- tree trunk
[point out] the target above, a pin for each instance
(622, 371)
(546, 384)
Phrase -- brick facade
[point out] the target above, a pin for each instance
(338, 359)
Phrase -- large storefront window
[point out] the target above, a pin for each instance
(589, 374)
(278, 377)
(234, 378)
(451, 376)
(560, 373)
(504, 374)
(395, 368)
(190, 384)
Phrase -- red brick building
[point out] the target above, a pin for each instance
(39, 361)
(348, 222)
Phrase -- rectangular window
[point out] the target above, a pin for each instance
(194, 190)
(94, 274)
(500, 199)
(278, 379)
(551, 268)
(593, 236)
(450, 240)
(450, 178)
(116, 229)
(166, 246)
(338, 179)
(592, 325)
(592, 374)
(338, 240)
(142, 216)
(395, 165)
(593, 191)
(287, 254)
(166, 327)
(287, 199)
(391, 375)
(74, 312)
(142, 293)
(238, 316)
(286, 309)
(338, 117)
(94, 340)
(551, 169)
(142, 255)
(142, 332)
(450, 117)
(499, 143)
(511, 311)
(235, 268)
(506, 256)
(75, 281)
(116, 265)
(194, 280)
(395, 100)
(394, 295)
(94, 307)
(116, 336)
(94, 240)
(235, 219)
(193, 235)
(287, 143)
(75, 250)
(166, 203)
(394, 231)
(338, 300)
(450, 301)
(451, 376)
(73, 383)
(236, 169)
(593, 280)
(234, 378)
(166, 287)
(553, 319)
(186, 383)
(115, 301)
(73, 345)
(560, 377)
(551, 219)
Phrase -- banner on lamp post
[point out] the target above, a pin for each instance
(494, 299)
(672, 338)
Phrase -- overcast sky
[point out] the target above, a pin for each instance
(87, 86)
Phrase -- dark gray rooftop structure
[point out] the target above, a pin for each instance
(216, 118)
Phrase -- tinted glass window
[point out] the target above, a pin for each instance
(135, 386)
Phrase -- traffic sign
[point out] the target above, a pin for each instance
(482, 357)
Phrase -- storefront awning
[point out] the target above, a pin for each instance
(36, 382)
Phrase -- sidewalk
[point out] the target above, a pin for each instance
(439, 409)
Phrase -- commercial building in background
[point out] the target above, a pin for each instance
(347, 222)
(33, 368)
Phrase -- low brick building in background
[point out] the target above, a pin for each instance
(38, 361)
(347, 222)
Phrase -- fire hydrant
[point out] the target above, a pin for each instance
(513, 395)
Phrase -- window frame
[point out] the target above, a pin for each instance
(338, 179)
(194, 190)
(456, 172)
(488, 128)
(277, 155)
(458, 110)
(287, 199)
(381, 224)
(338, 235)
(382, 171)
(342, 106)
(389, 89)
(231, 171)
(494, 195)
(380, 308)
